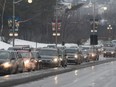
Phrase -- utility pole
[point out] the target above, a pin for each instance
(13, 26)
(56, 23)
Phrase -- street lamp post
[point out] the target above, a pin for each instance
(13, 20)
(56, 22)
(109, 28)
(13, 26)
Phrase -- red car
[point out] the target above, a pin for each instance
(30, 63)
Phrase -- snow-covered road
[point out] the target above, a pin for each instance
(103, 75)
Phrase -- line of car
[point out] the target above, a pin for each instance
(21, 59)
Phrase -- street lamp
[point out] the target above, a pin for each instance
(13, 25)
(109, 28)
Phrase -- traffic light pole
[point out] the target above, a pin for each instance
(13, 26)
(56, 24)
(94, 18)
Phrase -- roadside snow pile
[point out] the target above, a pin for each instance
(32, 44)
(4, 45)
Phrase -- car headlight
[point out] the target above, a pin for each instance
(85, 56)
(26, 62)
(112, 52)
(6, 65)
(55, 60)
(40, 60)
(76, 56)
(60, 59)
(92, 54)
(104, 52)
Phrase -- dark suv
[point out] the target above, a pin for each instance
(109, 52)
(50, 56)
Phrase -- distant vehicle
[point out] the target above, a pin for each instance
(50, 56)
(63, 58)
(86, 55)
(8, 62)
(30, 63)
(109, 52)
(74, 55)
(108, 44)
(37, 55)
(85, 51)
(114, 42)
(93, 54)
(85, 47)
(51, 46)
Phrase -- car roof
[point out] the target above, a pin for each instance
(7, 51)
(23, 51)
(48, 49)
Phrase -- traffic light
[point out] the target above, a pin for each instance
(94, 24)
(93, 39)
(59, 25)
(56, 27)
(10, 24)
(53, 26)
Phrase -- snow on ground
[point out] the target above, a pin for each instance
(33, 44)
(4, 45)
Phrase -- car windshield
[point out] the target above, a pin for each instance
(48, 52)
(4, 55)
(25, 54)
(71, 50)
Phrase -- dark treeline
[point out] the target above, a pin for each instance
(36, 18)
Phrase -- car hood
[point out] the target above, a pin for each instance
(3, 60)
